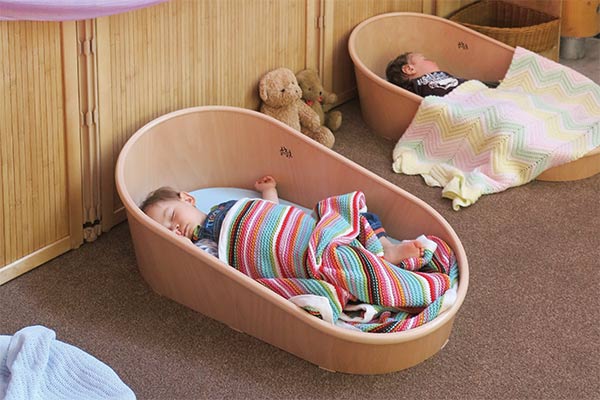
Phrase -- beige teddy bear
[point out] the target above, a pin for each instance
(318, 99)
(281, 99)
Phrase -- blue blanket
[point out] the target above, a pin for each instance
(36, 366)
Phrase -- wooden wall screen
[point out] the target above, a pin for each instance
(187, 53)
(40, 201)
(340, 18)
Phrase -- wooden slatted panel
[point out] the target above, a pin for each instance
(338, 71)
(33, 199)
(187, 53)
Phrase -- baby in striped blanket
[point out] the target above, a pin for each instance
(340, 253)
(177, 212)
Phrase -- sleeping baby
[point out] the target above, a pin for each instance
(177, 212)
(340, 252)
(415, 73)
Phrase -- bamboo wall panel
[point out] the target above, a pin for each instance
(341, 17)
(187, 53)
(34, 195)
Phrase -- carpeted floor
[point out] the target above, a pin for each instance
(528, 328)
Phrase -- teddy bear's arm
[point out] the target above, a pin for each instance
(328, 100)
(308, 117)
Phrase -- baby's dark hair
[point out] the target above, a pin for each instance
(393, 71)
(164, 193)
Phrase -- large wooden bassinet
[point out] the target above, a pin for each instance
(230, 147)
(389, 109)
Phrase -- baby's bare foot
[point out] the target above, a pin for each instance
(401, 251)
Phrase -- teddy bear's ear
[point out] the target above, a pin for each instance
(262, 90)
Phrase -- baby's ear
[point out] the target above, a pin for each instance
(408, 69)
(188, 198)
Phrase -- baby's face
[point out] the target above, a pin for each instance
(422, 65)
(179, 216)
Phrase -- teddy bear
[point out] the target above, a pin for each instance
(282, 99)
(318, 99)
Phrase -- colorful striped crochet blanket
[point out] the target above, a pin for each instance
(332, 265)
(477, 141)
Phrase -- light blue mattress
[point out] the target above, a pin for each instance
(208, 197)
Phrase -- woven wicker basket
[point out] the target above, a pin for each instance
(511, 24)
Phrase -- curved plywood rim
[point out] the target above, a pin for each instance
(595, 152)
(584, 167)
(341, 333)
(379, 80)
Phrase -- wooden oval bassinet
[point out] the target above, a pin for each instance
(389, 109)
(230, 147)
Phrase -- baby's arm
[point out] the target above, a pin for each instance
(267, 186)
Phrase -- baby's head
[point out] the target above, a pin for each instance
(174, 210)
(409, 66)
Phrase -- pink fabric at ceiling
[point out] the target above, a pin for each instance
(66, 10)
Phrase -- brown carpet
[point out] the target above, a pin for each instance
(528, 328)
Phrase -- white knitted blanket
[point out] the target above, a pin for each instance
(36, 366)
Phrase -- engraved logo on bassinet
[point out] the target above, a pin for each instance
(463, 46)
(285, 152)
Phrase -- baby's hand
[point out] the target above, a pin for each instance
(264, 183)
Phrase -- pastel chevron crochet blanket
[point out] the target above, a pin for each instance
(477, 141)
(332, 265)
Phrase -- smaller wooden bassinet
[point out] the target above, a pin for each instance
(389, 109)
(230, 147)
